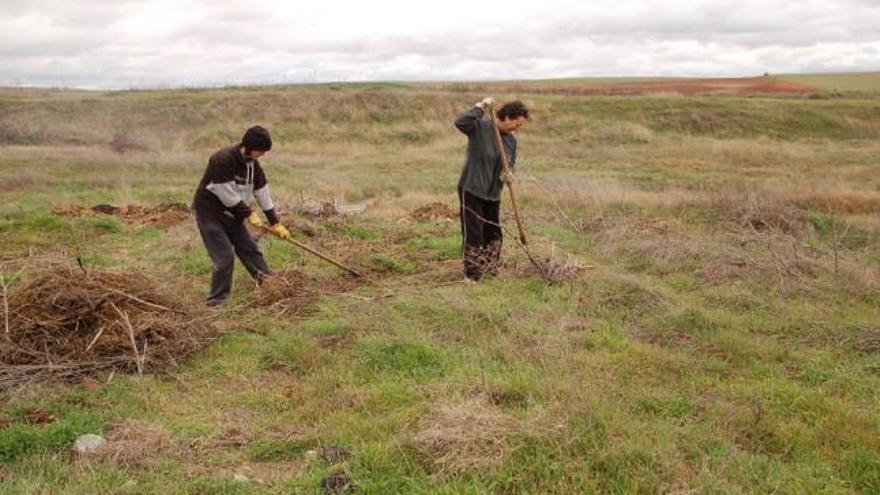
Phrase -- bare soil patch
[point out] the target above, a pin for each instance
(256, 472)
(434, 211)
(163, 215)
(718, 86)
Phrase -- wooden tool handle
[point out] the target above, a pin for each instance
(505, 169)
(324, 257)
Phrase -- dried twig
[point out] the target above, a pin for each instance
(97, 336)
(127, 323)
(5, 287)
(555, 203)
(133, 298)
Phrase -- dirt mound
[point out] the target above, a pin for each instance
(65, 322)
(165, 214)
(294, 292)
(433, 211)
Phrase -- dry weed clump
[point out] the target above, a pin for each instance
(468, 436)
(125, 140)
(864, 339)
(655, 245)
(22, 183)
(726, 270)
(66, 322)
(556, 268)
(665, 254)
(849, 202)
(135, 443)
(293, 292)
(434, 211)
(760, 212)
(625, 132)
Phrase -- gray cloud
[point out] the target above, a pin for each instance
(141, 44)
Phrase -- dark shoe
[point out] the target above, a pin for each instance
(215, 303)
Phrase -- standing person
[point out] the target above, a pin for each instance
(232, 179)
(480, 185)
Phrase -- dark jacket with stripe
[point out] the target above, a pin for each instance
(229, 185)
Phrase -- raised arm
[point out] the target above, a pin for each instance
(469, 121)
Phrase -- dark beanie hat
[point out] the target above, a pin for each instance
(257, 139)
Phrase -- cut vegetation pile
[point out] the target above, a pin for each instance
(293, 292)
(65, 322)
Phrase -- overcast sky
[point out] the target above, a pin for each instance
(133, 43)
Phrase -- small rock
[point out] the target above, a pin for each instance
(88, 443)
(240, 477)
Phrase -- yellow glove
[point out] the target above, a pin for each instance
(280, 230)
(255, 220)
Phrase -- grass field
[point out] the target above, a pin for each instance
(865, 81)
(716, 330)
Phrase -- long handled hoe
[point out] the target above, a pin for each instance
(324, 257)
(505, 169)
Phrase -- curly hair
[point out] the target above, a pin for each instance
(512, 109)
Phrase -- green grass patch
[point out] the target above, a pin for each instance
(20, 440)
(400, 358)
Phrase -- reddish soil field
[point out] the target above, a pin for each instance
(725, 86)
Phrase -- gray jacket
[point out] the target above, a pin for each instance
(481, 173)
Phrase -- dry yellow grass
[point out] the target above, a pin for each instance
(468, 436)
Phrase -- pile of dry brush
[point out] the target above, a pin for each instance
(62, 321)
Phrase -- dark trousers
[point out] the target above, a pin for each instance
(224, 242)
(481, 234)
